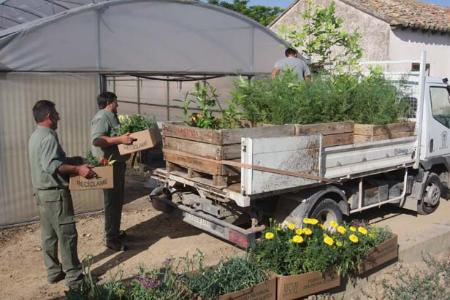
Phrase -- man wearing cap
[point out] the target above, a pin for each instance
(50, 169)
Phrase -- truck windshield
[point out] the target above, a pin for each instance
(440, 105)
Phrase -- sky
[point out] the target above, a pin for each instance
(285, 3)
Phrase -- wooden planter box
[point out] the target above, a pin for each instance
(198, 152)
(384, 252)
(297, 286)
(266, 290)
(145, 139)
(363, 133)
(334, 134)
(104, 180)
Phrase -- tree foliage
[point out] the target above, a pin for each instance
(261, 14)
(324, 39)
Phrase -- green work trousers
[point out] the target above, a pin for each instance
(113, 199)
(58, 229)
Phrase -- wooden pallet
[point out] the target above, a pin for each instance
(209, 147)
(197, 167)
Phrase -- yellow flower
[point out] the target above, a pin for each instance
(353, 238)
(333, 224)
(299, 231)
(339, 243)
(341, 229)
(307, 231)
(313, 221)
(310, 221)
(362, 230)
(321, 226)
(328, 240)
(291, 226)
(269, 235)
(297, 239)
(353, 228)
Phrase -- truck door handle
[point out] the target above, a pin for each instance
(431, 145)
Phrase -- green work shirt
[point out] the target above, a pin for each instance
(46, 155)
(103, 124)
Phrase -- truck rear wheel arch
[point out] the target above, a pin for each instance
(307, 207)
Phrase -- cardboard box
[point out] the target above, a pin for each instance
(104, 180)
(145, 139)
(384, 252)
(266, 290)
(297, 286)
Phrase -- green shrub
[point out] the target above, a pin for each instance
(327, 98)
(227, 276)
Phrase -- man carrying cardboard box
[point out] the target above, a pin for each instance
(104, 145)
(49, 175)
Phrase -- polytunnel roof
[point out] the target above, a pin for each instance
(15, 12)
(158, 37)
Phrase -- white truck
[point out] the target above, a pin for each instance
(411, 172)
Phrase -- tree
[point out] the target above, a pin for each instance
(323, 38)
(261, 14)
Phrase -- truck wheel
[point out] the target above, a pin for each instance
(431, 195)
(326, 211)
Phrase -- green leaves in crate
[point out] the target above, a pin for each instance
(134, 123)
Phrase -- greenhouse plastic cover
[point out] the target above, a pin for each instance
(162, 37)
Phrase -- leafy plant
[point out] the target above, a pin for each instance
(327, 98)
(206, 98)
(114, 289)
(289, 250)
(95, 162)
(157, 284)
(134, 123)
(324, 39)
(228, 276)
(432, 282)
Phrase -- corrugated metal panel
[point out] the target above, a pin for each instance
(74, 96)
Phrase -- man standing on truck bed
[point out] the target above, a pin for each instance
(292, 62)
(49, 175)
(105, 146)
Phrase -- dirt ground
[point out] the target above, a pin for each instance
(152, 237)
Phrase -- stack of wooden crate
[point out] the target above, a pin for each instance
(199, 153)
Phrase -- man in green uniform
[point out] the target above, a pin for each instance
(50, 169)
(105, 146)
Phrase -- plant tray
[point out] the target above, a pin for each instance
(379, 255)
(297, 286)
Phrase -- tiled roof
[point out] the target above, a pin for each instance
(404, 13)
(407, 13)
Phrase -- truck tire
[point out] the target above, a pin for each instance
(327, 210)
(431, 195)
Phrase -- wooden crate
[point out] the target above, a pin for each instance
(199, 152)
(363, 133)
(334, 134)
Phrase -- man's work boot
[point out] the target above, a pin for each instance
(56, 278)
(122, 235)
(116, 245)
